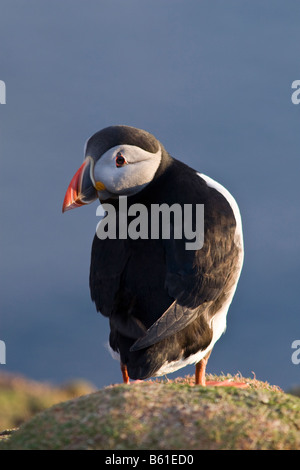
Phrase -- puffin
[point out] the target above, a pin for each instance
(165, 285)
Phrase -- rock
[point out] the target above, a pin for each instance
(167, 416)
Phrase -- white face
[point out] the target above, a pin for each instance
(124, 170)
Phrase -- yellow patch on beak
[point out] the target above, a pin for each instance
(99, 186)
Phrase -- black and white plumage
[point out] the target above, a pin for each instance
(166, 305)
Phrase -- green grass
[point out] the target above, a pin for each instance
(165, 414)
(21, 399)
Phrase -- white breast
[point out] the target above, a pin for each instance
(233, 204)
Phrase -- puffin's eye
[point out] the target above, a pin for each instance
(120, 160)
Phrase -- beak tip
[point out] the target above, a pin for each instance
(73, 204)
(80, 191)
(67, 205)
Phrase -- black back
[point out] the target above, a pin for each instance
(159, 296)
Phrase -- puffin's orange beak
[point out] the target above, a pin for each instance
(81, 190)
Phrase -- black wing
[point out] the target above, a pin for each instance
(195, 279)
(108, 261)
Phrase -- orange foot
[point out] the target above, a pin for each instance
(226, 383)
(126, 376)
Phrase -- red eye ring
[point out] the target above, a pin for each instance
(120, 160)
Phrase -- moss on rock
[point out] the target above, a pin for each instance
(166, 415)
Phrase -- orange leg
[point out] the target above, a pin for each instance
(200, 371)
(200, 377)
(124, 374)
